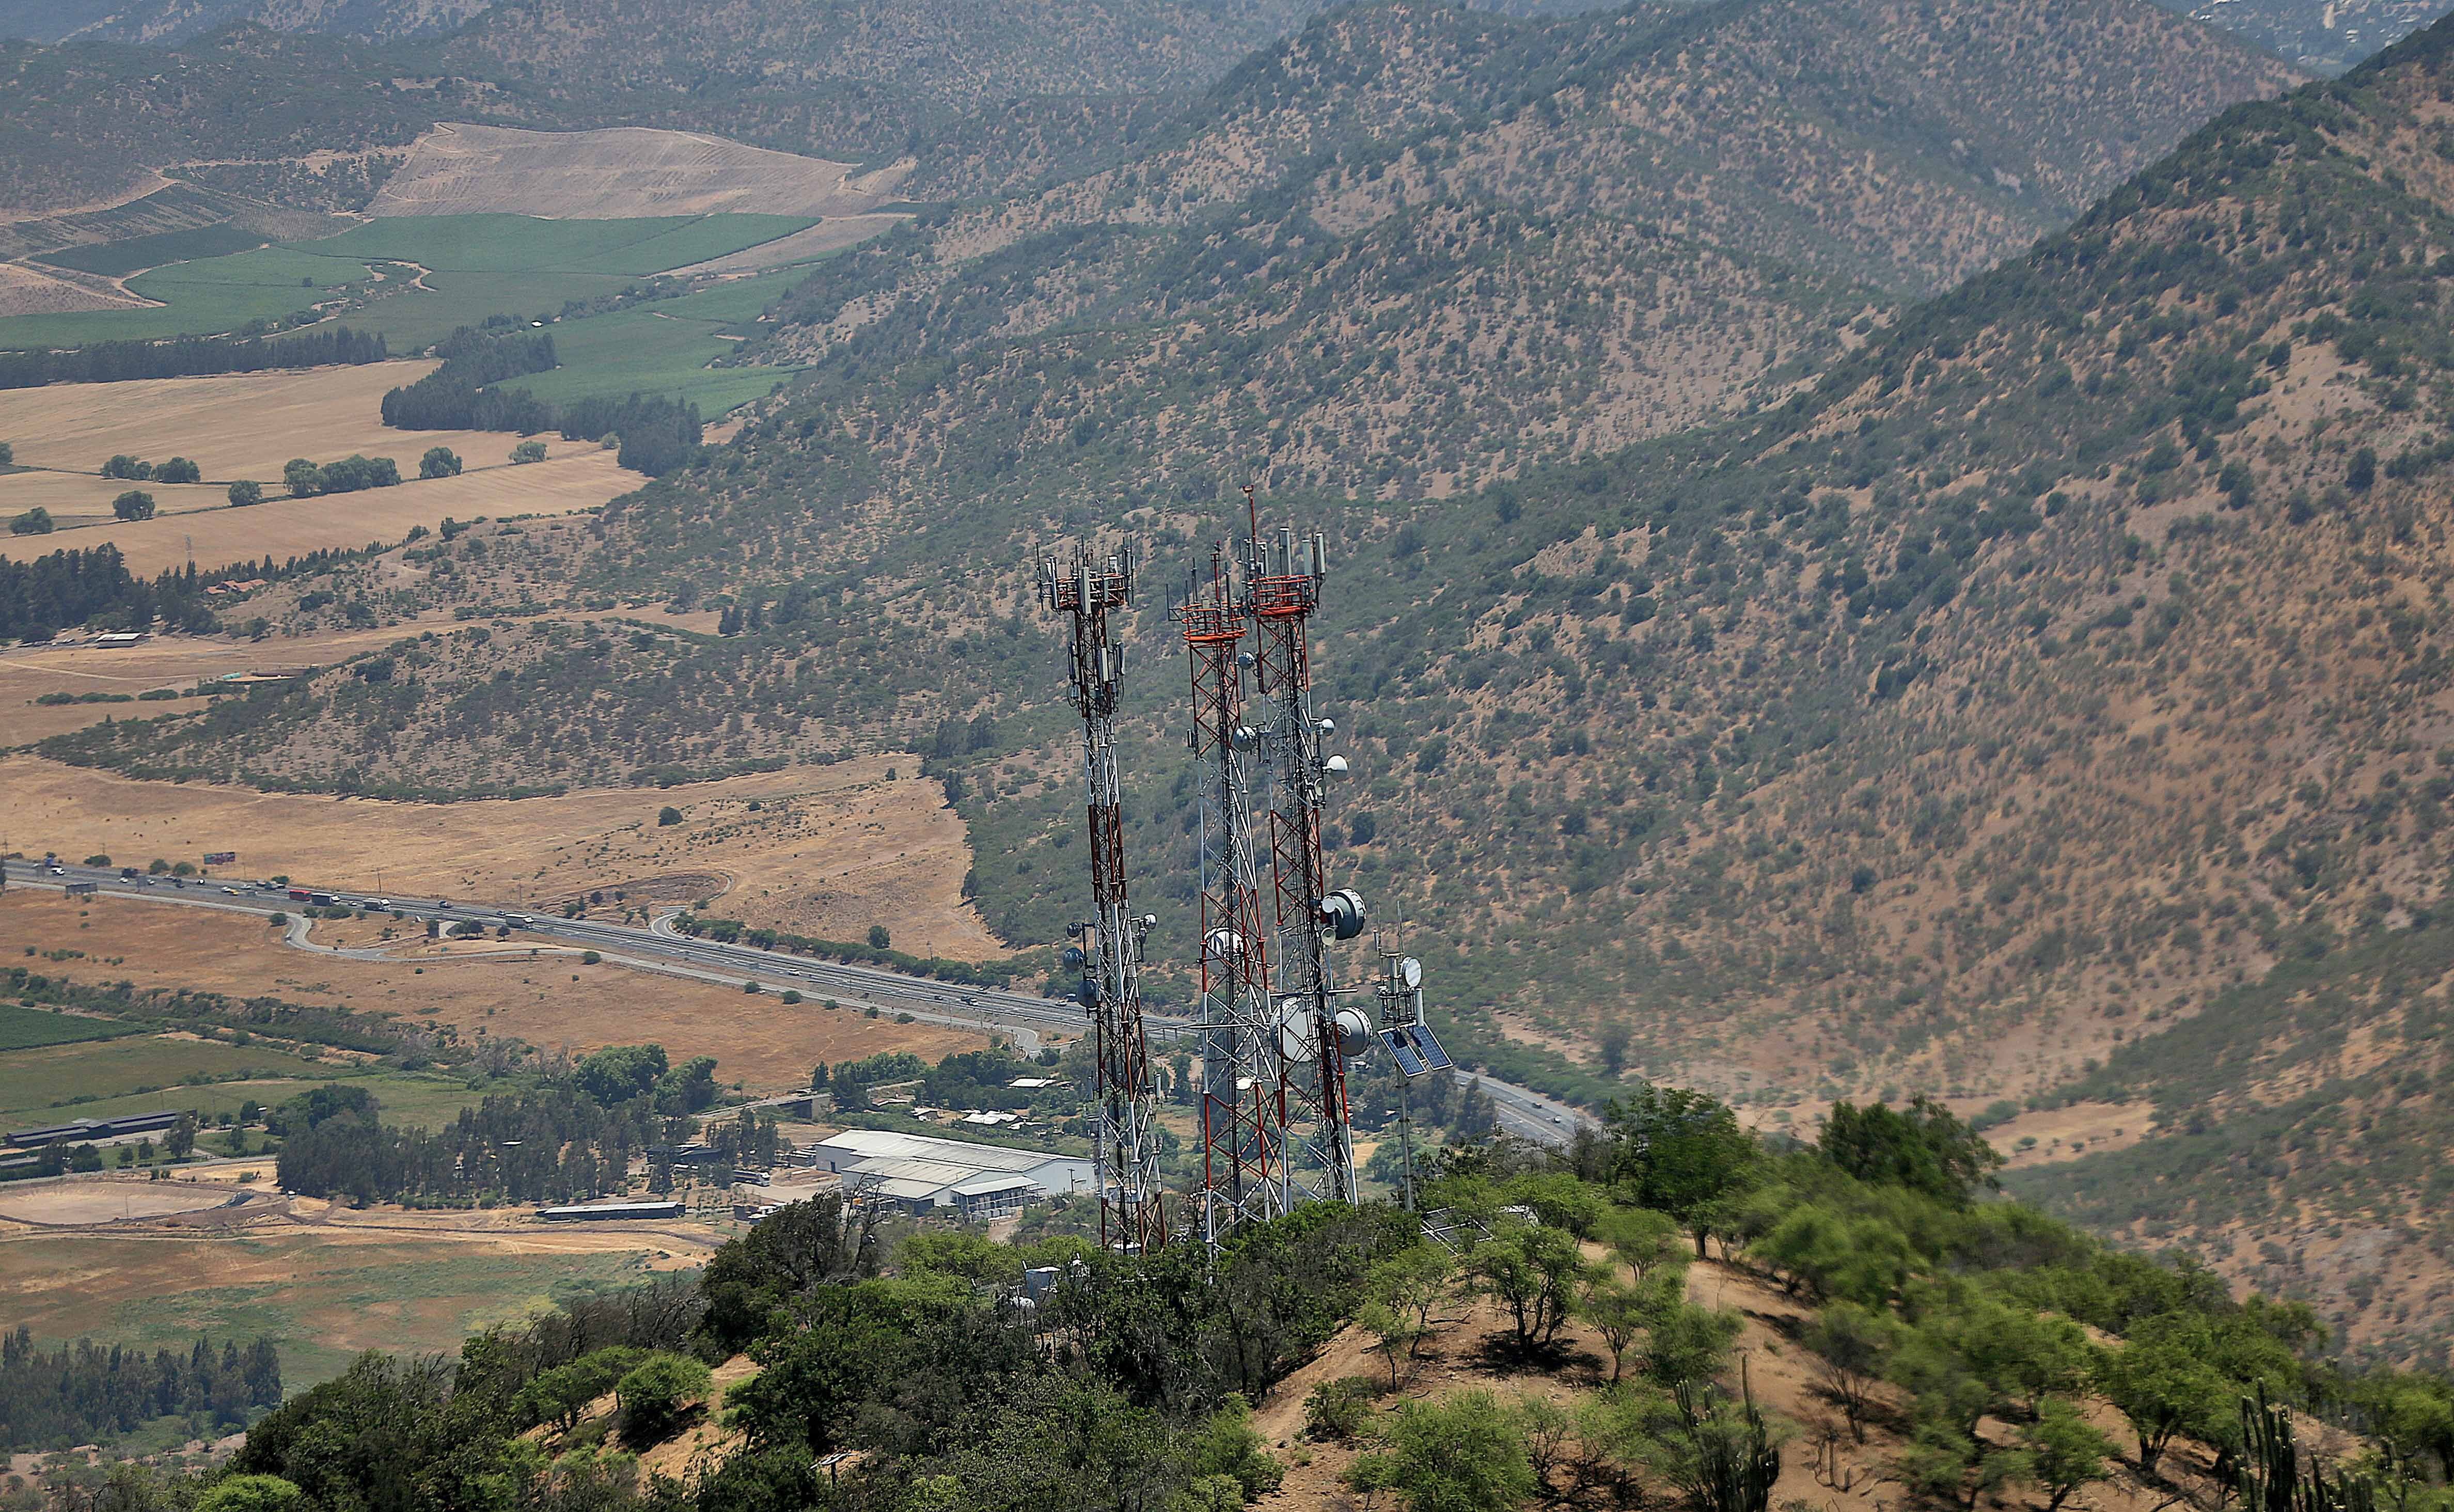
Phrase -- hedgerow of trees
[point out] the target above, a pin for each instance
(120, 361)
(52, 1398)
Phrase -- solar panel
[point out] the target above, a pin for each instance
(1409, 1062)
(1428, 1049)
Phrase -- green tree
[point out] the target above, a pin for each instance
(133, 505)
(529, 452)
(1685, 1343)
(1465, 1454)
(2066, 1451)
(1853, 1346)
(1681, 1153)
(439, 461)
(182, 1138)
(246, 491)
(651, 1395)
(7, 455)
(1532, 1270)
(2164, 1380)
(1395, 1336)
(879, 939)
(303, 478)
(1926, 1149)
(35, 521)
(124, 465)
(1616, 1308)
(669, 816)
(251, 1493)
(178, 469)
(1639, 1239)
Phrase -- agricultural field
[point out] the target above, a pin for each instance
(46, 1083)
(622, 173)
(231, 426)
(546, 995)
(323, 1292)
(414, 279)
(283, 528)
(172, 662)
(34, 1028)
(829, 850)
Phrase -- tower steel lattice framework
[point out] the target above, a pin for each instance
(1282, 579)
(1243, 1157)
(1090, 589)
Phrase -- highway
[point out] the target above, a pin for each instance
(658, 947)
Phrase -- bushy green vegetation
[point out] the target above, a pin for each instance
(117, 361)
(1128, 1382)
(55, 1398)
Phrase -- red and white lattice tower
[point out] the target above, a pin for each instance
(1091, 591)
(1243, 1164)
(1282, 578)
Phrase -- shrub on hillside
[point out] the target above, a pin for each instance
(653, 1395)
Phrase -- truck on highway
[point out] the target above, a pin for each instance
(518, 922)
(128, 873)
(299, 895)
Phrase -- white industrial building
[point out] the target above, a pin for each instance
(976, 1181)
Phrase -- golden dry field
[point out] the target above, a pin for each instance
(283, 528)
(540, 994)
(236, 424)
(169, 662)
(617, 173)
(829, 851)
(76, 499)
(324, 1285)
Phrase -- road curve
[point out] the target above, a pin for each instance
(659, 947)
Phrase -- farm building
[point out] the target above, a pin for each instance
(923, 1175)
(81, 1131)
(579, 1212)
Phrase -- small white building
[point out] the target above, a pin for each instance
(923, 1174)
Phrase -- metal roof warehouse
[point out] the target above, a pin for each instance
(922, 1174)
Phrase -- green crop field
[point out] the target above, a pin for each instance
(648, 351)
(29, 1028)
(44, 1082)
(508, 244)
(475, 266)
(425, 276)
(417, 318)
(116, 258)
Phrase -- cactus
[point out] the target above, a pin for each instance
(2272, 1477)
(1734, 1465)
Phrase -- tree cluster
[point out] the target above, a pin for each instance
(190, 356)
(40, 597)
(78, 1393)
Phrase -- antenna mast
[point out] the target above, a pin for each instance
(1243, 1157)
(1282, 579)
(1124, 1113)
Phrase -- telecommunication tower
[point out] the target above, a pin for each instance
(1282, 578)
(1089, 589)
(1243, 1157)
